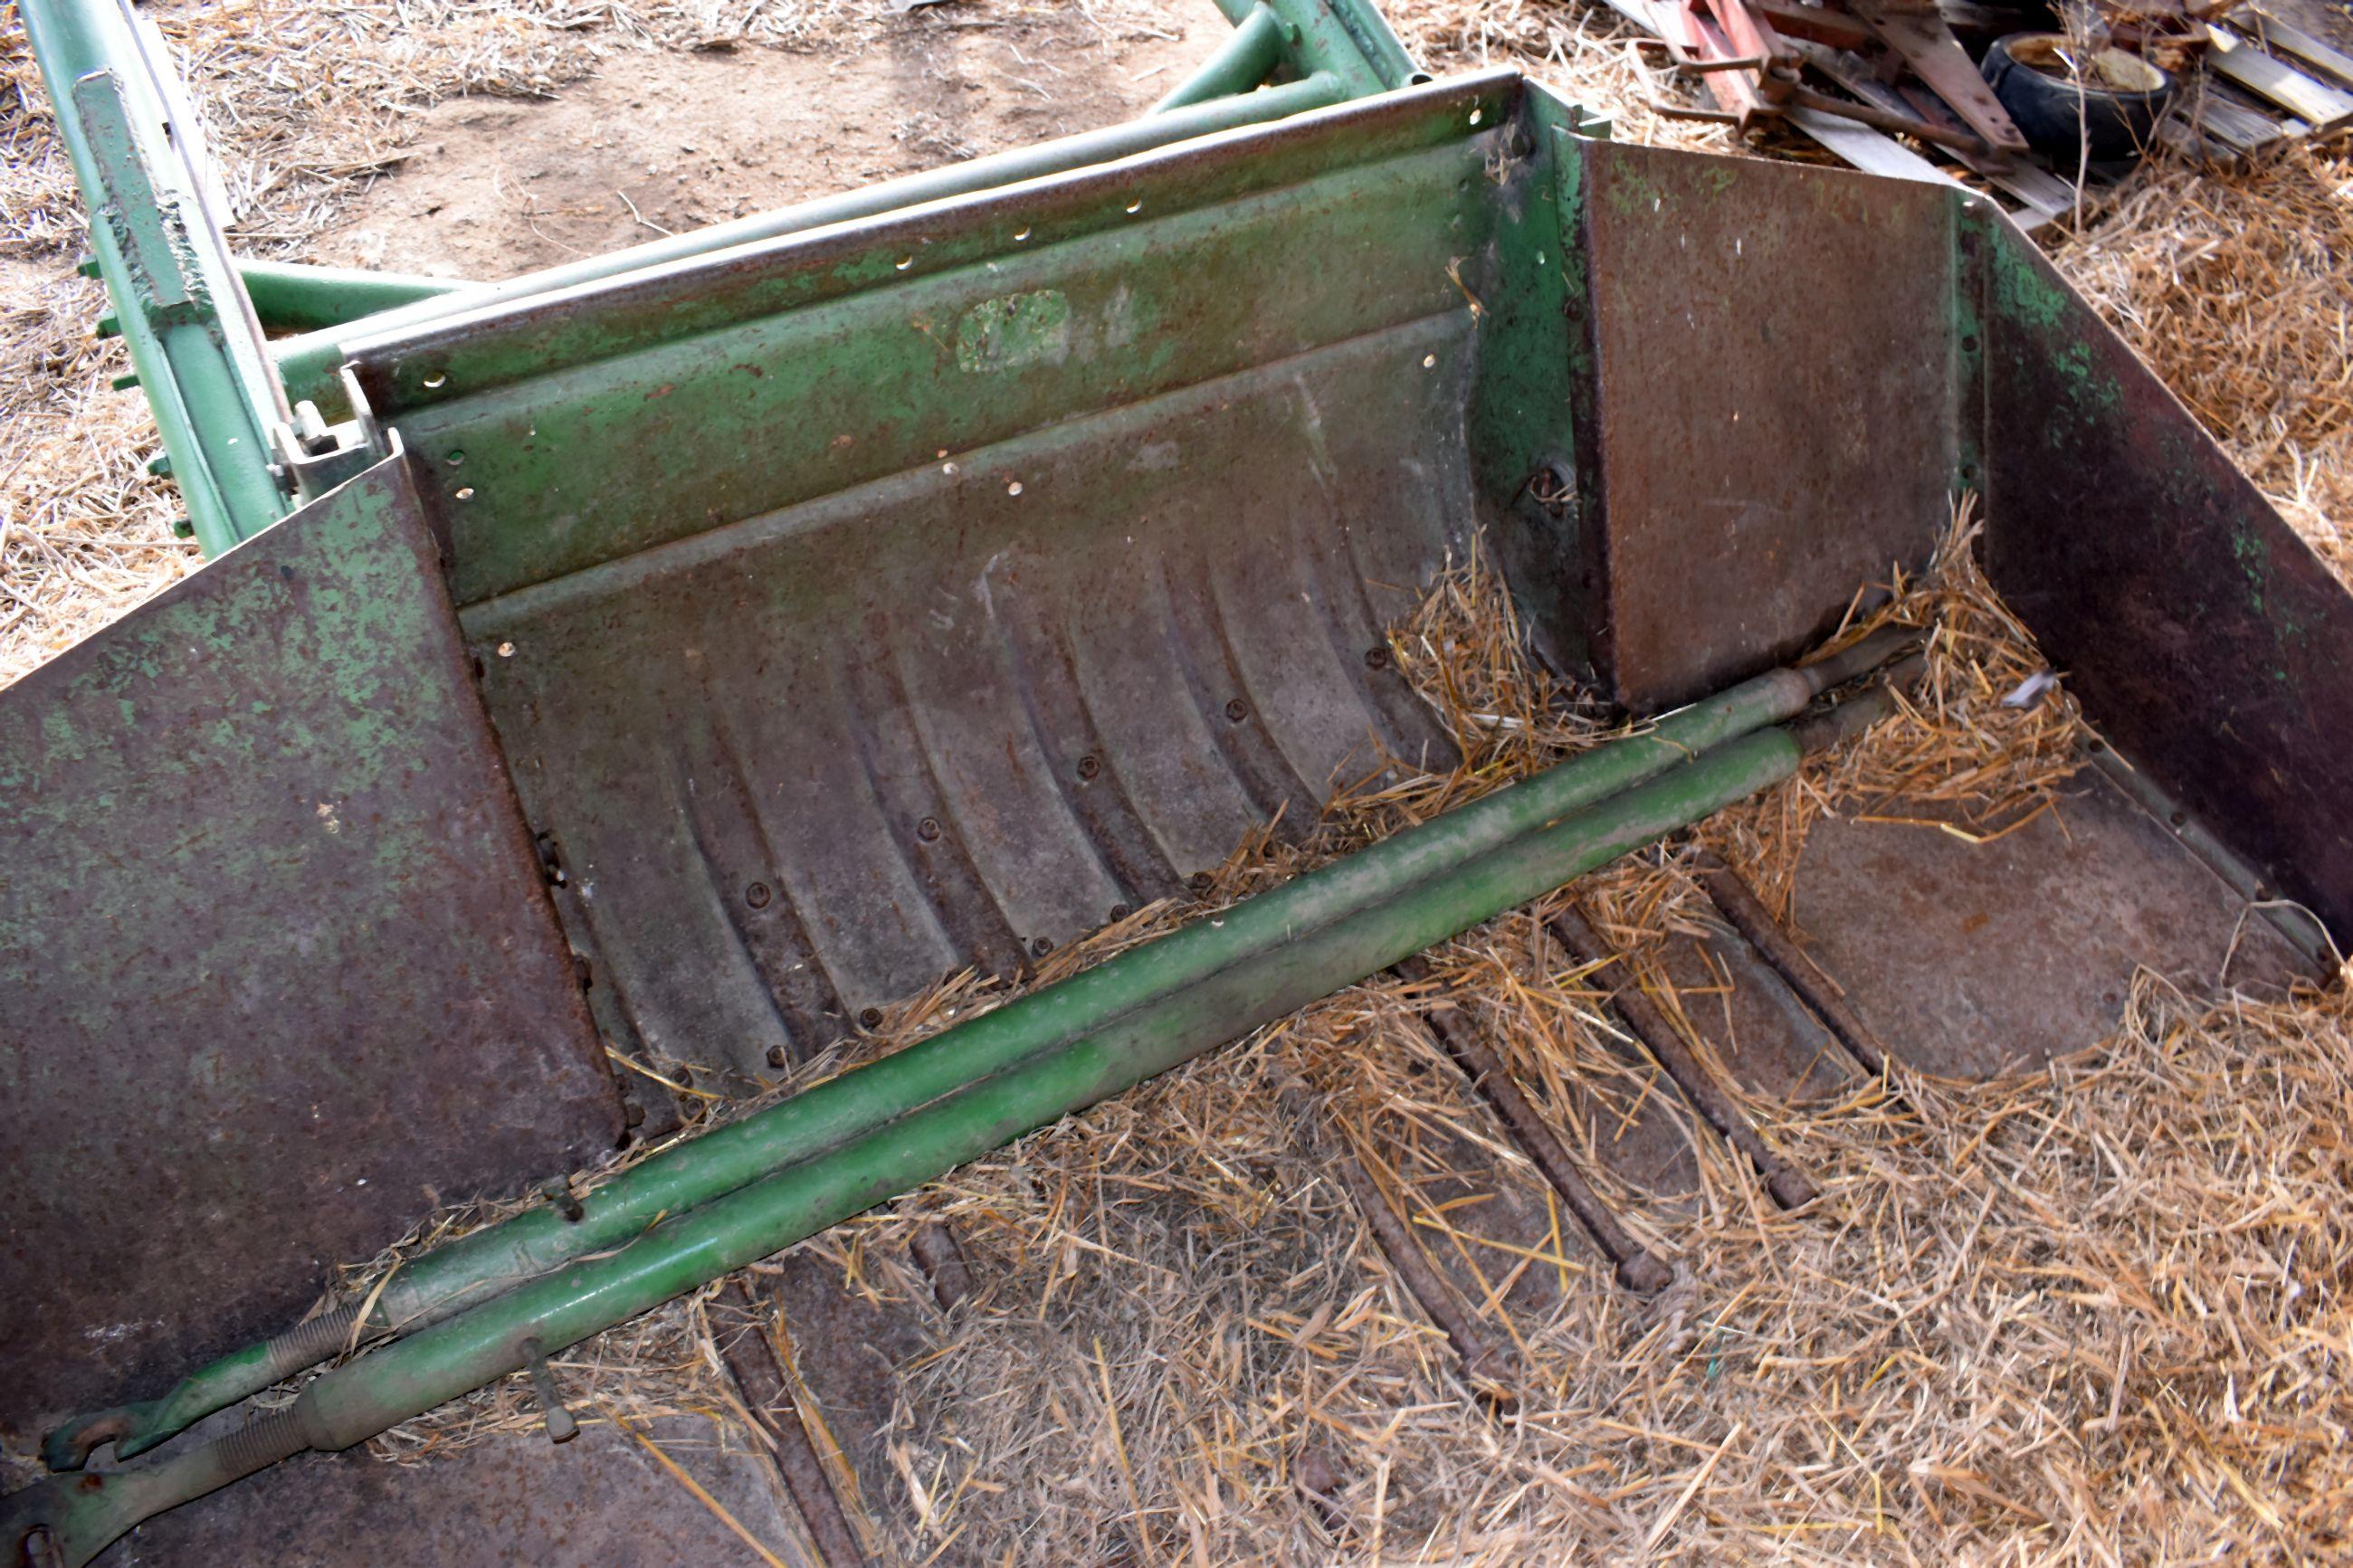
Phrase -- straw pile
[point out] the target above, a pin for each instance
(2091, 1313)
(2233, 285)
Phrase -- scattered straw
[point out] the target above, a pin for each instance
(2236, 286)
(1977, 748)
(2091, 1313)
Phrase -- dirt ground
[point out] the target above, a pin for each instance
(655, 144)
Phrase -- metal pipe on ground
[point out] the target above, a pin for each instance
(1638, 1268)
(75, 1519)
(940, 1257)
(1738, 903)
(754, 1363)
(1791, 1187)
(833, 1113)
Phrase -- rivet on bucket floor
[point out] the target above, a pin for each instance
(1237, 710)
(757, 895)
(928, 829)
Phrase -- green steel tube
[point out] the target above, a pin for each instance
(1240, 63)
(309, 362)
(461, 1353)
(191, 344)
(1308, 960)
(832, 1113)
(295, 297)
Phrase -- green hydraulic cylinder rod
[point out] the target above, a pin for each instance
(1348, 37)
(75, 1519)
(726, 1158)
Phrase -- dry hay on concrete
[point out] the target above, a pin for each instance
(2091, 1313)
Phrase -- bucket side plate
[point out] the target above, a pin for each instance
(278, 970)
(2207, 641)
(1775, 372)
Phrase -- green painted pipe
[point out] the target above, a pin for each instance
(205, 373)
(295, 297)
(1324, 948)
(309, 363)
(1240, 63)
(722, 1160)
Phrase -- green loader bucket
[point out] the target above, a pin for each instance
(684, 664)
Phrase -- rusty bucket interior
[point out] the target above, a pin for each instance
(716, 654)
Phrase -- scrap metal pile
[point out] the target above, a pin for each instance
(2026, 108)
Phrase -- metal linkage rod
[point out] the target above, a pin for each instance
(1241, 62)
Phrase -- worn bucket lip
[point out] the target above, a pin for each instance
(387, 364)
